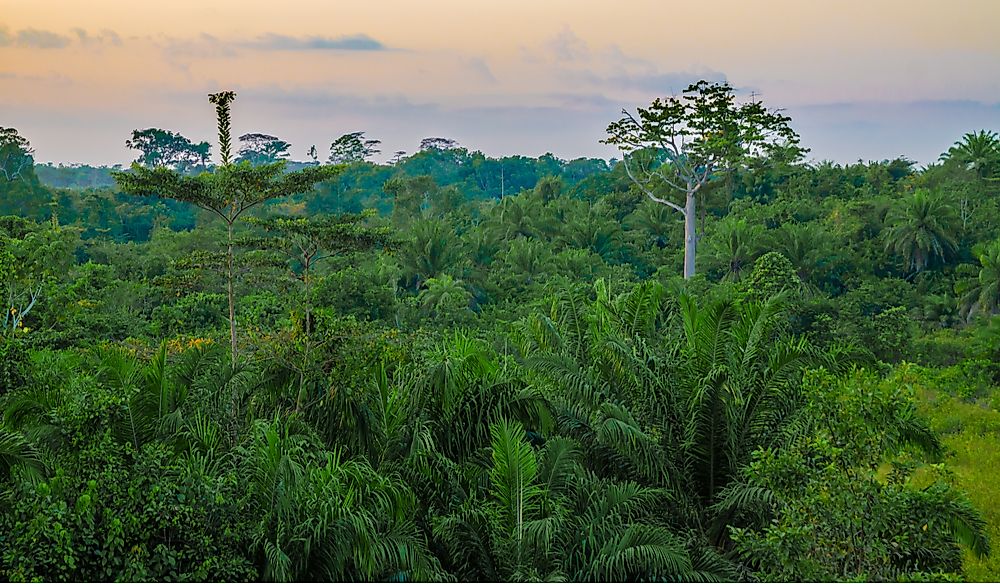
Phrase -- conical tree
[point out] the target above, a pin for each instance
(229, 192)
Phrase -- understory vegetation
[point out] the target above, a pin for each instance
(457, 367)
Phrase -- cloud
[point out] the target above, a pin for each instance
(51, 78)
(204, 46)
(608, 68)
(105, 36)
(41, 39)
(479, 66)
(33, 38)
(567, 46)
(280, 42)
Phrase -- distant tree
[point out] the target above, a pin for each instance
(772, 274)
(15, 154)
(353, 147)
(313, 154)
(681, 144)
(433, 249)
(397, 156)
(437, 144)
(262, 149)
(410, 196)
(978, 152)
(806, 245)
(922, 231)
(733, 247)
(228, 192)
(169, 149)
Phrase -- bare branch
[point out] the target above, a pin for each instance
(649, 193)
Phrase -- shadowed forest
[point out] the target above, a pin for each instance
(709, 358)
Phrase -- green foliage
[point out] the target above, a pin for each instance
(16, 159)
(772, 274)
(191, 314)
(14, 368)
(982, 294)
(510, 382)
(922, 231)
(168, 149)
(873, 528)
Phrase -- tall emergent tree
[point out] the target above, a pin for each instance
(681, 144)
(229, 191)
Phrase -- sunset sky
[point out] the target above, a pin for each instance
(868, 79)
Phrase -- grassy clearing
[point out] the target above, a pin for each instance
(971, 432)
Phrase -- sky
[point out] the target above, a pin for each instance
(861, 79)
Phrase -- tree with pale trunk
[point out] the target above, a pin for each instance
(15, 154)
(33, 258)
(679, 145)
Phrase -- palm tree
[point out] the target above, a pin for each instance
(982, 293)
(594, 231)
(17, 453)
(433, 250)
(528, 258)
(733, 247)
(657, 221)
(685, 416)
(444, 295)
(323, 517)
(520, 216)
(546, 517)
(921, 231)
(806, 245)
(978, 152)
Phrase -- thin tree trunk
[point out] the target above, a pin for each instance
(306, 282)
(229, 289)
(690, 234)
(300, 397)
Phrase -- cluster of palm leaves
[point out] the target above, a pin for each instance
(606, 437)
(981, 293)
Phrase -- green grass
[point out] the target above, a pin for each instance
(971, 432)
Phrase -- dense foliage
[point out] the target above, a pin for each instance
(455, 367)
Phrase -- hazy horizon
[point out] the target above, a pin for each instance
(860, 80)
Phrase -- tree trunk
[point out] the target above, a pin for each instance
(306, 283)
(690, 234)
(301, 394)
(229, 289)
